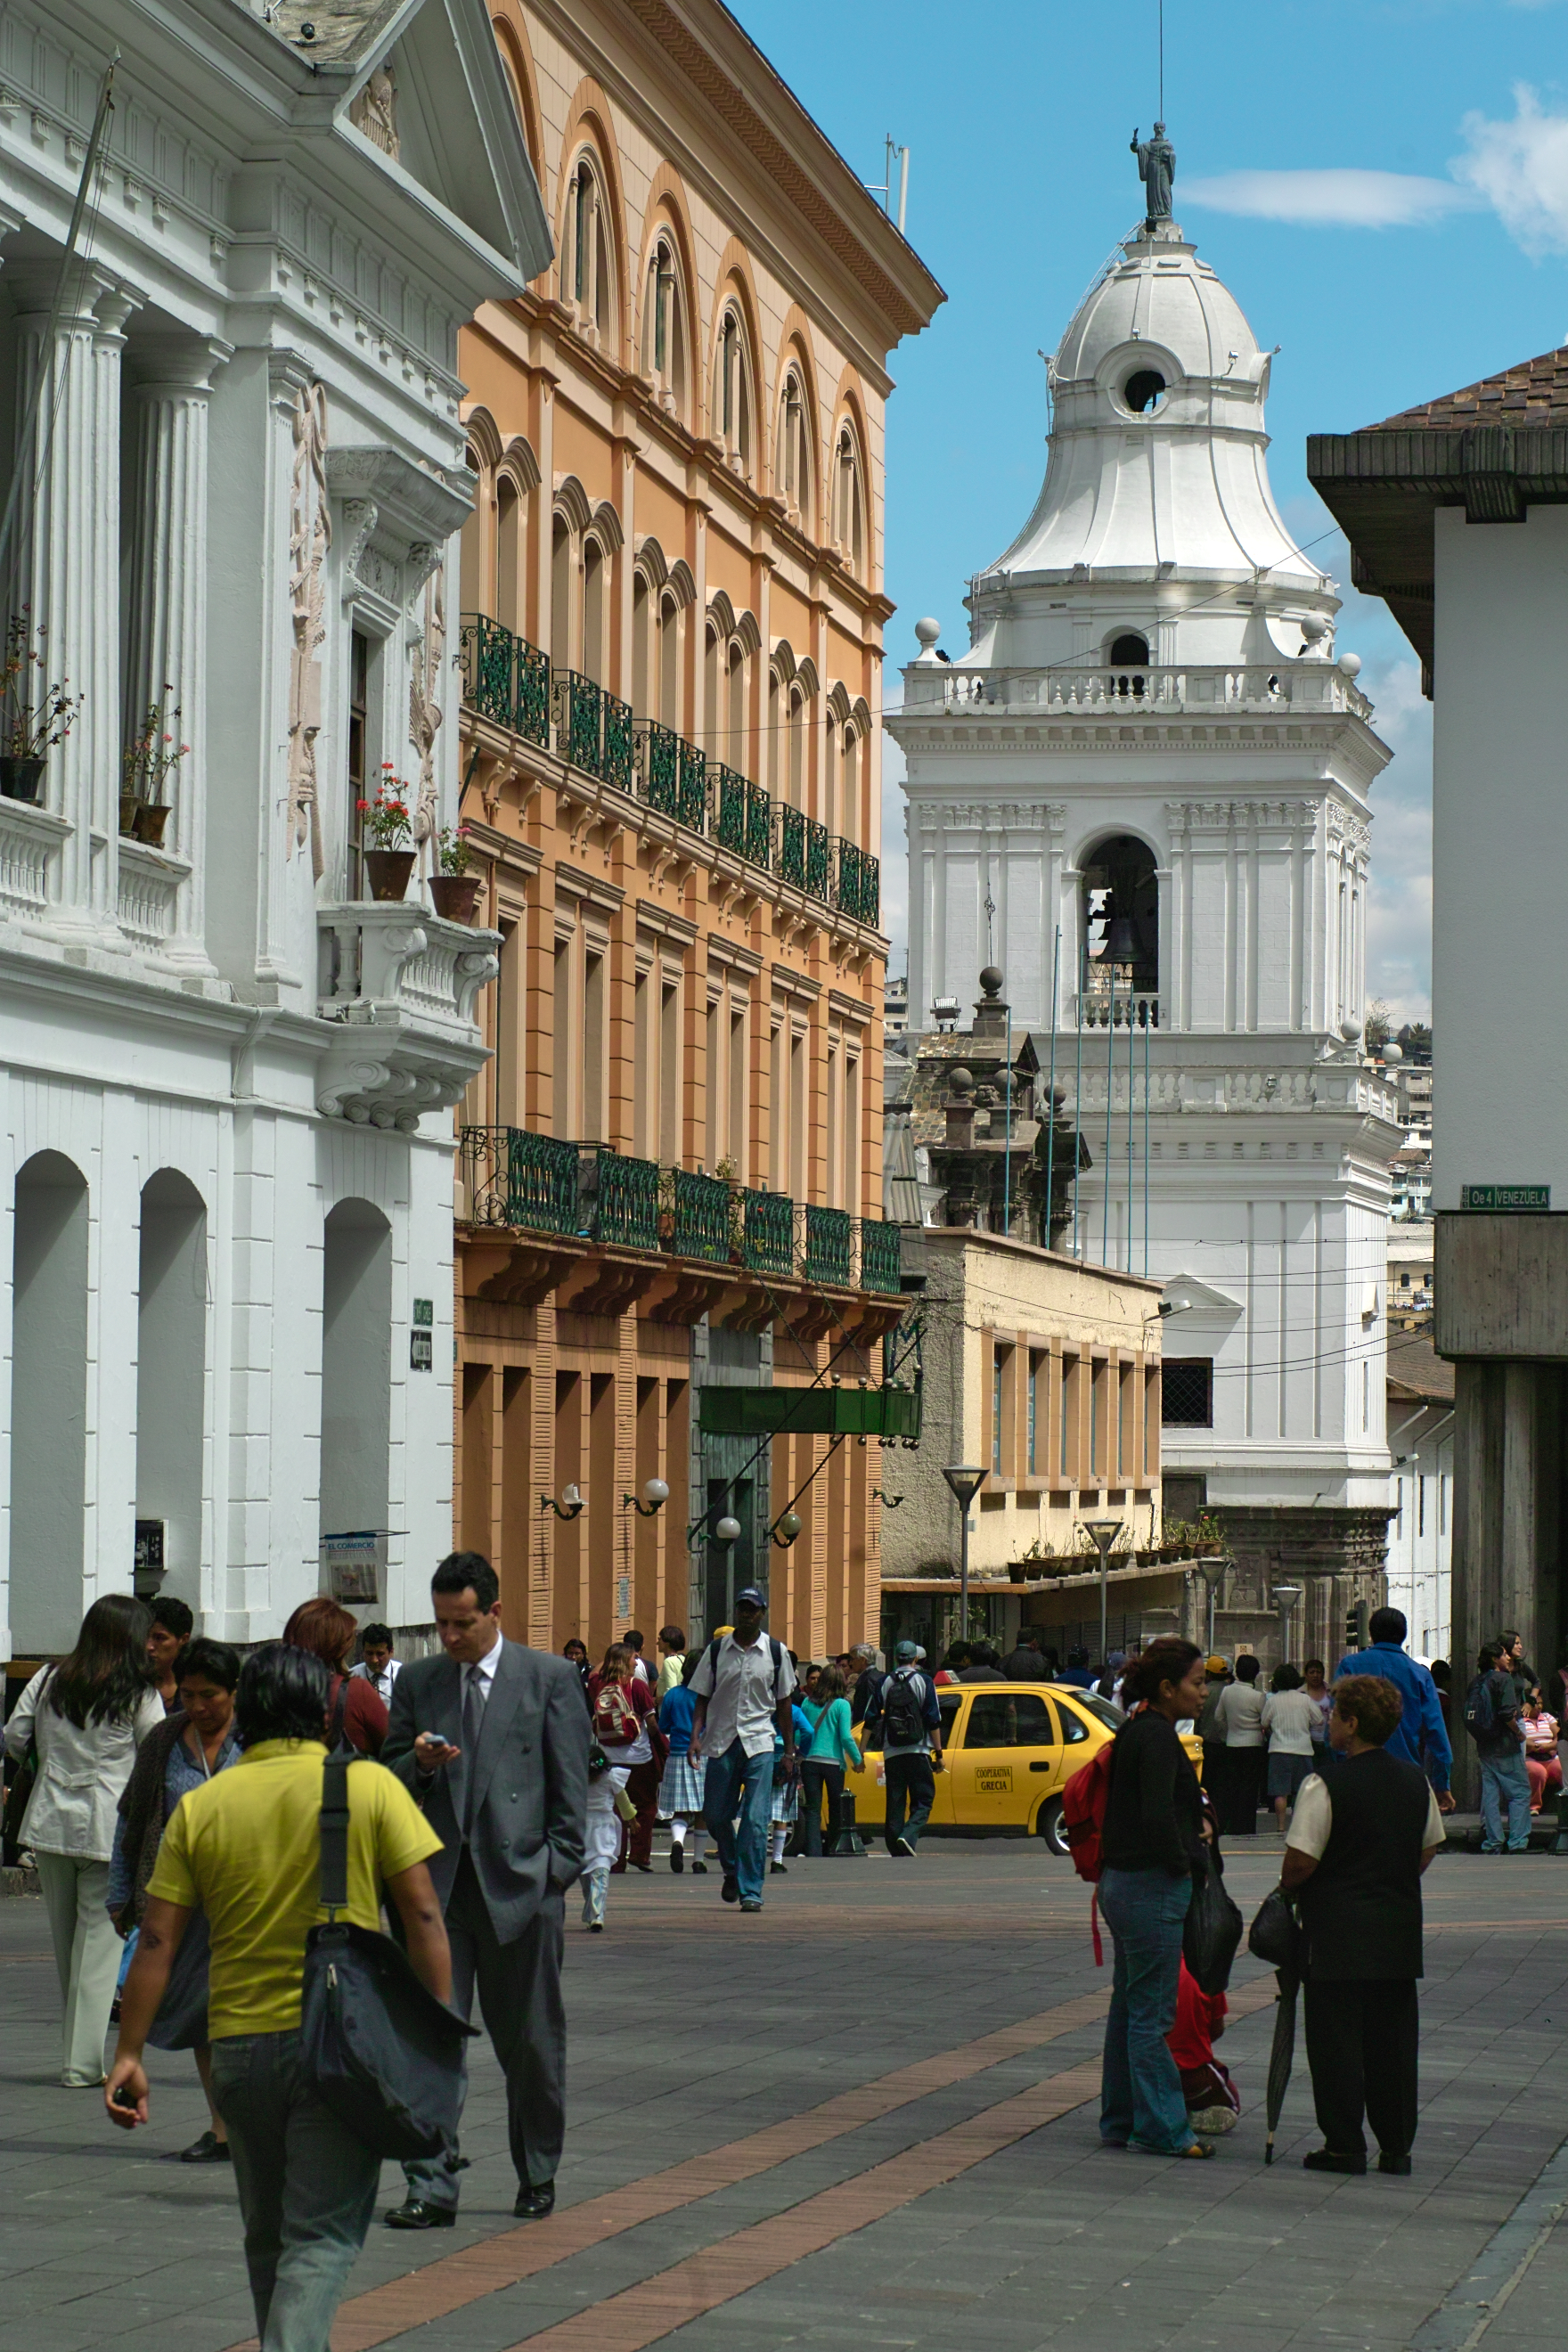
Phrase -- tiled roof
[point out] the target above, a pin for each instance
(1534, 392)
(1416, 1369)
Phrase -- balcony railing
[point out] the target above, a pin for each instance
(513, 683)
(1200, 690)
(506, 679)
(589, 1192)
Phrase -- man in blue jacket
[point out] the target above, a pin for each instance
(1422, 1737)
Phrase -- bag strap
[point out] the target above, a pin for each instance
(335, 1835)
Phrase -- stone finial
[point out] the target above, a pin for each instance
(927, 634)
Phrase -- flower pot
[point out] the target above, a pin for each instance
(129, 804)
(455, 896)
(387, 871)
(147, 824)
(22, 780)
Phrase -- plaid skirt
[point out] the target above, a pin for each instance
(680, 1790)
(786, 1800)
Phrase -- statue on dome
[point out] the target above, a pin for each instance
(1157, 170)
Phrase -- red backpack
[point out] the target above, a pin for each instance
(1083, 1826)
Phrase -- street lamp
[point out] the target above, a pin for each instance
(655, 1493)
(785, 1530)
(966, 1481)
(1285, 1599)
(570, 1507)
(1213, 1574)
(1105, 1532)
(728, 1530)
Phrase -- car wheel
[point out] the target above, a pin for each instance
(1048, 1825)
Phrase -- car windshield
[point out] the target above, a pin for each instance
(1101, 1709)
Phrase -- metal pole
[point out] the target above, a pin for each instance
(1131, 1048)
(903, 187)
(1104, 1598)
(1146, 1144)
(1078, 1104)
(963, 1580)
(1007, 1148)
(1109, 1089)
(1051, 1091)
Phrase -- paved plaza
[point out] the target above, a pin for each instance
(865, 2118)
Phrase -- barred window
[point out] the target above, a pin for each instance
(1186, 1393)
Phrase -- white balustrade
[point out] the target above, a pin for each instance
(1199, 690)
(148, 894)
(401, 984)
(30, 842)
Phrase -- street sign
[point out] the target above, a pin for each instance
(1505, 1196)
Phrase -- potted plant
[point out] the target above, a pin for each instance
(33, 715)
(385, 828)
(454, 891)
(149, 759)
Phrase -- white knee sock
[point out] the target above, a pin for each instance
(780, 1834)
(696, 1830)
(677, 1832)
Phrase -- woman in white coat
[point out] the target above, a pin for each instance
(85, 1720)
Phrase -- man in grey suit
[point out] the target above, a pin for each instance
(491, 1739)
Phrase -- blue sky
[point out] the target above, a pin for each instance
(1383, 186)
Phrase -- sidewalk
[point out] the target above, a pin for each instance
(864, 2118)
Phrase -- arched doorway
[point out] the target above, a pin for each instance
(48, 1406)
(356, 1370)
(171, 1373)
(1121, 917)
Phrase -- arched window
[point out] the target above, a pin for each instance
(830, 776)
(594, 632)
(849, 808)
(1121, 917)
(732, 403)
(712, 747)
(508, 605)
(1128, 658)
(470, 558)
(588, 268)
(796, 766)
(735, 714)
(664, 326)
(793, 481)
(644, 675)
(670, 662)
(561, 594)
(849, 501)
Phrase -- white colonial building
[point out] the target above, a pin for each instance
(1143, 793)
(226, 1078)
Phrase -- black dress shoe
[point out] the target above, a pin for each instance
(699, 1870)
(1324, 2159)
(677, 1859)
(1389, 2163)
(533, 2204)
(731, 1890)
(414, 2214)
(209, 2149)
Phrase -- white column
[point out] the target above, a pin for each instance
(67, 565)
(167, 649)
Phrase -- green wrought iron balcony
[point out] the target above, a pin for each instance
(742, 817)
(825, 1254)
(767, 1234)
(593, 728)
(701, 1217)
(857, 891)
(505, 677)
(881, 1255)
(802, 856)
(515, 1178)
(625, 1200)
(673, 774)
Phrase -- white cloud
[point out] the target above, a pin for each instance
(1337, 199)
(1520, 168)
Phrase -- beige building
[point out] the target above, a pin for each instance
(670, 1173)
(1045, 1373)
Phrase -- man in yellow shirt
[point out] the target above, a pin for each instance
(246, 1850)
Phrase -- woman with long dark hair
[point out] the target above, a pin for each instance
(328, 1633)
(85, 1719)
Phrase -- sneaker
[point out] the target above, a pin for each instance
(777, 1870)
(902, 1846)
(595, 1926)
(699, 1870)
(751, 1903)
(1211, 2123)
(731, 1890)
(677, 1859)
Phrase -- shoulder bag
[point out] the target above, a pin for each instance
(385, 2055)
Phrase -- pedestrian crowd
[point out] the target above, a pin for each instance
(200, 1822)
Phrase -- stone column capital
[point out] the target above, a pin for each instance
(174, 364)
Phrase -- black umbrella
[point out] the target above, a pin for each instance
(1281, 2053)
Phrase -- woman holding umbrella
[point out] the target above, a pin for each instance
(1354, 1854)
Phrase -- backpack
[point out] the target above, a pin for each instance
(1083, 1812)
(1480, 1709)
(615, 1718)
(904, 1712)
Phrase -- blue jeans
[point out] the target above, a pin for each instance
(1504, 1781)
(738, 1783)
(307, 2189)
(1140, 2099)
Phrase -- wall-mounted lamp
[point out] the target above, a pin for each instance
(655, 1493)
(1178, 1304)
(888, 1502)
(785, 1530)
(728, 1530)
(568, 1507)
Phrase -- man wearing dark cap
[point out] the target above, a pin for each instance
(904, 1720)
(741, 1686)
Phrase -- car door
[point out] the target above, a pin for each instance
(1008, 1749)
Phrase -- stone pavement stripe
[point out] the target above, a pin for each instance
(1470, 2306)
(452, 2282)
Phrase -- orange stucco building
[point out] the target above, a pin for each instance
(669, 1178)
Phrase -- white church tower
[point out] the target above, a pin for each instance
(1144, 793)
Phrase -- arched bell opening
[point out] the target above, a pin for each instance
(1120, 918)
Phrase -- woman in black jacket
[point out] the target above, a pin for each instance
(1153, 1836)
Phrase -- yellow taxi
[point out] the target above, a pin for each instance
(1008, 1750)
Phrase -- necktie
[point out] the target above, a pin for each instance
(473, 1723)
